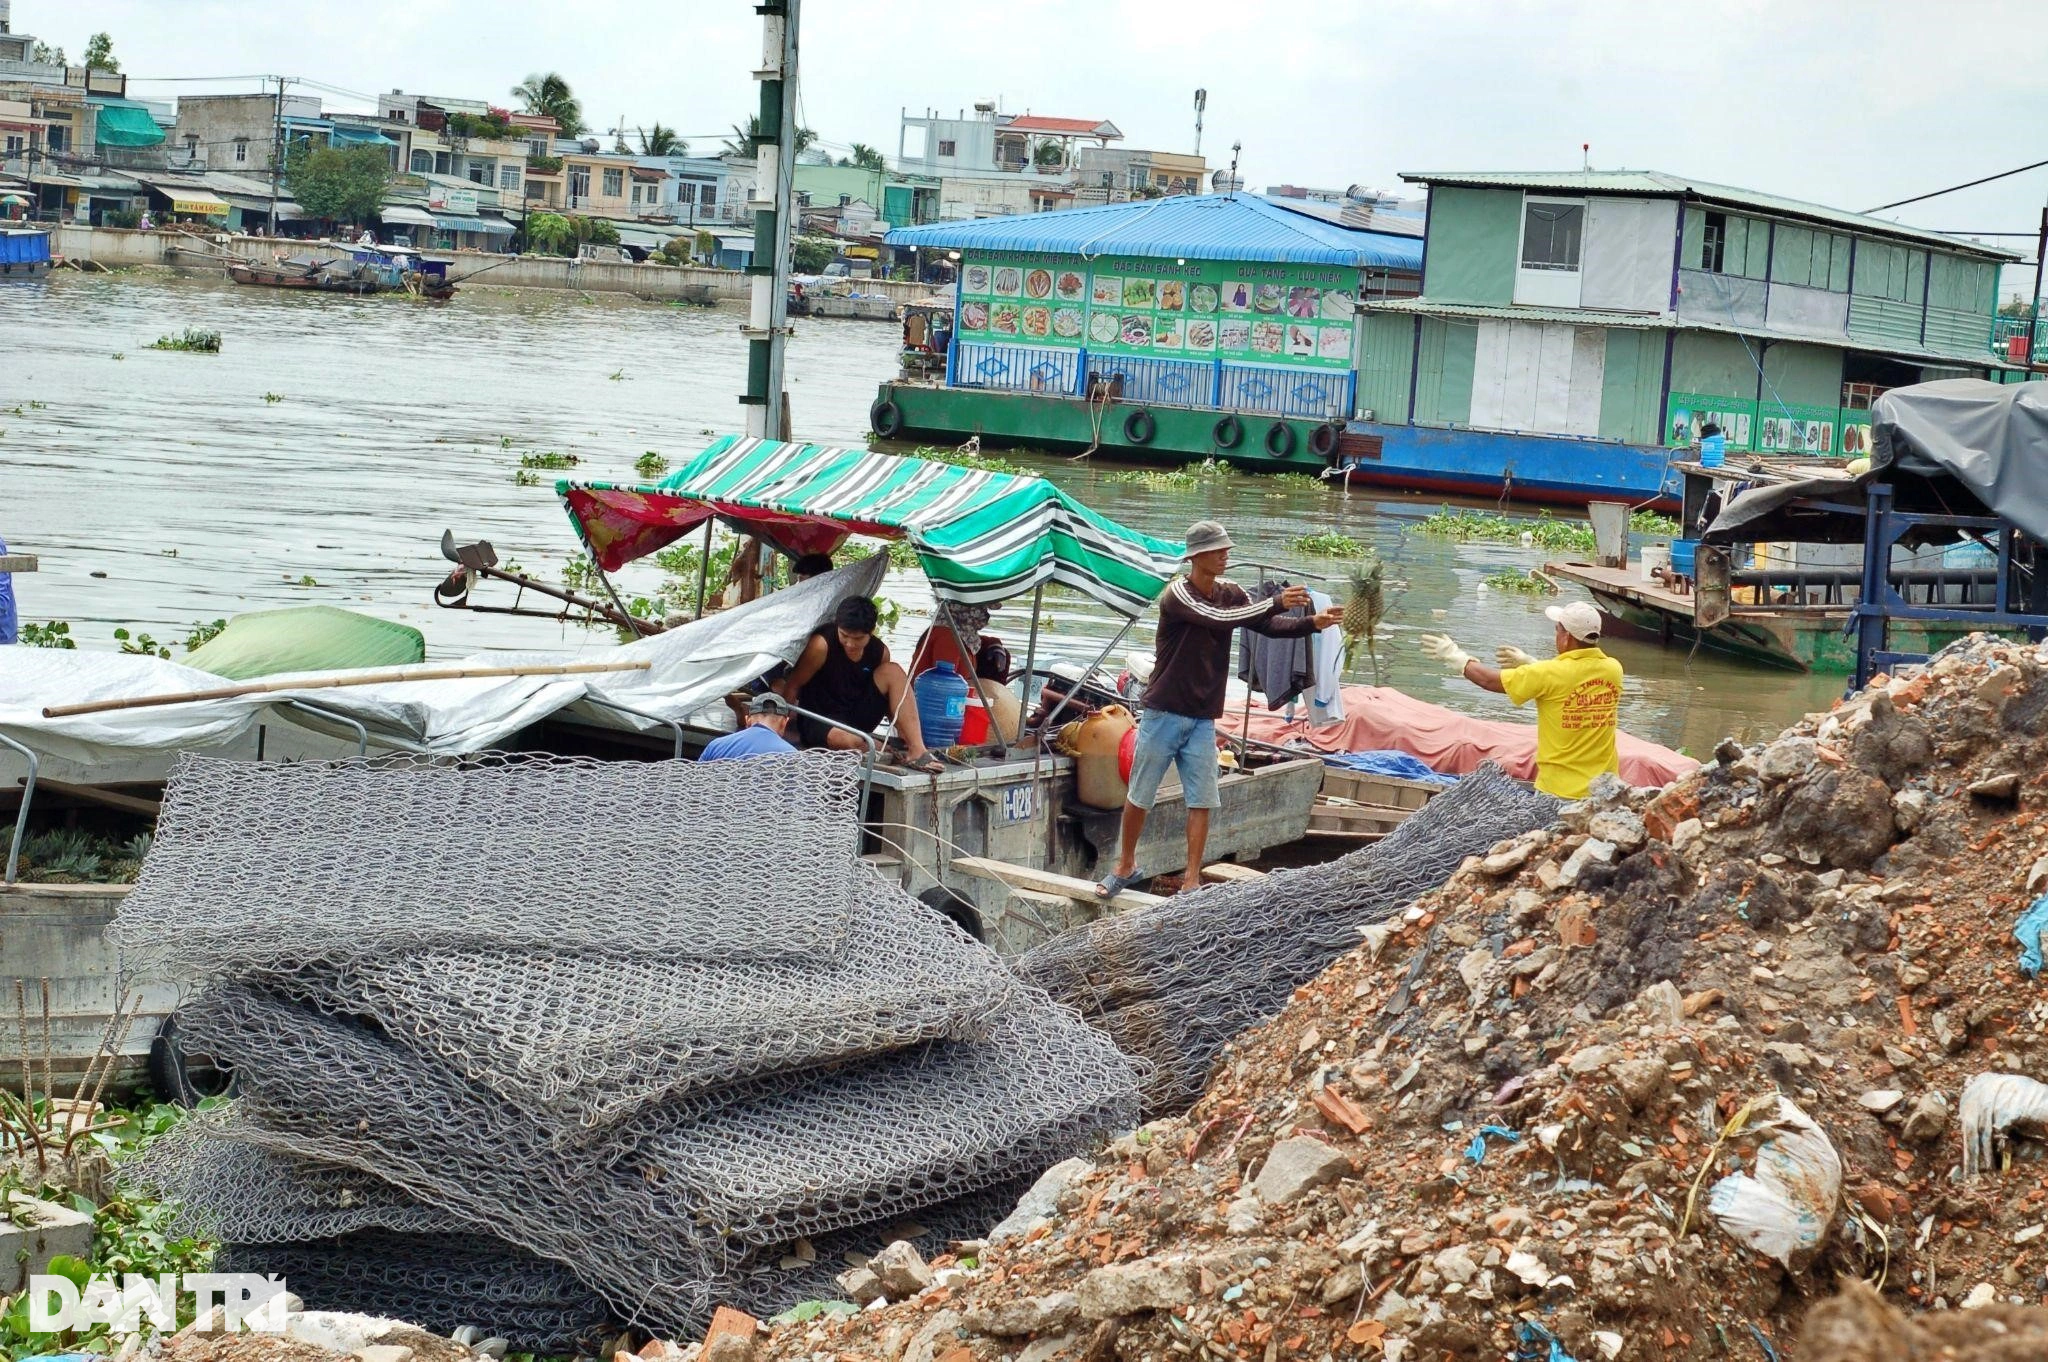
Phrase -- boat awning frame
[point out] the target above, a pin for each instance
(981, 537)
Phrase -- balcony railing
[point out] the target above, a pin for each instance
(1208, 385)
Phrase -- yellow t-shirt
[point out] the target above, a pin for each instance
(1576, 695)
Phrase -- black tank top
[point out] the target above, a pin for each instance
(844, 688)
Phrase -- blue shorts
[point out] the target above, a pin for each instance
(1165, 740)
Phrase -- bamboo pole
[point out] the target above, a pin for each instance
(375, 677)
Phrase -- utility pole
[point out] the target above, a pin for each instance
(2034, 313)
(767, 326)
(276, 154)
(1201, 106)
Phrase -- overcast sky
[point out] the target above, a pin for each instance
(1850, 103)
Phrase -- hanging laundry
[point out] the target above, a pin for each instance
(1278, 668)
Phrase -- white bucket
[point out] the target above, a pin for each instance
(1655, 556)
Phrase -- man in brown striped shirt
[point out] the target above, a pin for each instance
(1198, 615)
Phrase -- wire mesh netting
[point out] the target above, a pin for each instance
(262, 864)
(642, 1039)
(440, 1282)
(1174, 982)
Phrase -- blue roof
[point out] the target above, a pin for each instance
(1201, 227)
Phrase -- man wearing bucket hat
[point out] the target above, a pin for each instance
(1577, 694)
(1198, 615)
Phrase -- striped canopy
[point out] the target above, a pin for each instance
(981, 537)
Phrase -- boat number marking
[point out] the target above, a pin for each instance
(1019, 803)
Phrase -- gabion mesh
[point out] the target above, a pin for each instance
(1173, 983)
(675, 1199)
(440, 1282)
(227, 1189)
(268, 864)
(653, 1022)
(598, 1036)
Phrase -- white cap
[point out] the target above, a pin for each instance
(1579, 619)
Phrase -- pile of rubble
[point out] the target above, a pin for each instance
(530, 1044)
(1643, 1084)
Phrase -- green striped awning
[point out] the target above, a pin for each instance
(981, 537)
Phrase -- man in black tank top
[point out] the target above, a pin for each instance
(845, 673)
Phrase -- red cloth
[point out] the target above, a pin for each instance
(1379, 718)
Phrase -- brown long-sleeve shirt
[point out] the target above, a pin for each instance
(1193, 647)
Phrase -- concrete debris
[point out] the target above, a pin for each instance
(900, 1271)
(1793, 970)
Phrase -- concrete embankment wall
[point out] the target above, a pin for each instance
(118, 247)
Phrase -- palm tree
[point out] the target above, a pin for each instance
(662, 141)
(869, 158)
(550, 95)
(741, 143)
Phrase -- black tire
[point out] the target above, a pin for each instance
(181, 1076)
(1139, 427)
(885, 418)
(954, 909)
(1323, 442)
(1280, 439)
(1228, 432)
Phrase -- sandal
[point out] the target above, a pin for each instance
(926, 765)
(1113, 884)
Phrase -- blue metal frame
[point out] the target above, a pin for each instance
(1880, 602)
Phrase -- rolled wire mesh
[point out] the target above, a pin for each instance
(596, 1037)
(440, 1282)
(267, 864)
(1174, 982)
(679, 1198)
(224, 1188)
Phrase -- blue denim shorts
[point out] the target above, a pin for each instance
(1175, 740)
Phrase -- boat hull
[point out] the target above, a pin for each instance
(1560, 470)
(1809, 642)
(242, 274)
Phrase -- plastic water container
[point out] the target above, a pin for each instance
(1682, 553)
(1713, 450)
(941, 704)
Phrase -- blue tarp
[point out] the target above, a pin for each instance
(1389, 763)
(1194, 226)
(347, 135)
(24, 248)
(10, 624)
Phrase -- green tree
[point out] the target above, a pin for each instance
(99, 53)
(598, 231)
(869, 158)
(550, 234)
(741, 143)
(549, 94)
(48, 55)
(811, 254)
(339, 184)
(1049, 156)
(662, 141)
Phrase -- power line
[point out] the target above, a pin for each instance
(1968, 184)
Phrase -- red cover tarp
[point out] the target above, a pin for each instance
(1378, 719)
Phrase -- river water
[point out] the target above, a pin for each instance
(319, 456)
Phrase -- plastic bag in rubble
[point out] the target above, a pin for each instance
(2028, 932)
(1784, 1210)
(1993, 1104)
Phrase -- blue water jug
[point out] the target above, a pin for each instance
(1713, 450)
(941, 704)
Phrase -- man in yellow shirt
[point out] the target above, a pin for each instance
(1577, 694)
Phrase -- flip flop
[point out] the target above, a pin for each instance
(1113, 884)
(926, 765)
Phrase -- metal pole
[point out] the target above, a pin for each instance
(704, 566)
(1129, 620)
(20, 819)
(277, 155)
(2034, 312)
(1030, 658)
(775, 164)
(362, 732)
(672, 724)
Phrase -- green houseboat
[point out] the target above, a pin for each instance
(1176, 328)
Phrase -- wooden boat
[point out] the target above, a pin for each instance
(317, 276)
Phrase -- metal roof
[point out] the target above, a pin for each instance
(1199, 226)
(1077, 127)
(1638, 321)
(1658, 183)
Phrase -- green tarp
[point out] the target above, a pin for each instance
(125, 126)
(981, 536)
(312, 638)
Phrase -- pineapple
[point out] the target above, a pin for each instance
(1364, 611)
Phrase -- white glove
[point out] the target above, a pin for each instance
(1442, 648)
(1511, 656)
